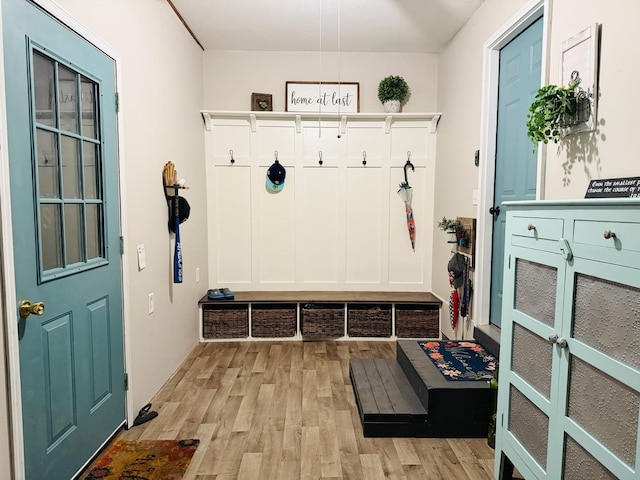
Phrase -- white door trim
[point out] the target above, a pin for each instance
(488, 127)
(9, 306)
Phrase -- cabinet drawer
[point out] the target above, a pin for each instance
(537, 232)
(538, 227)
(622, 247)
(622, 235)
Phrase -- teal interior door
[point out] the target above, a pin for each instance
(516, 164)
(60, 94)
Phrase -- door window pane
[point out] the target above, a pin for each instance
(47, 164)
(73, 233)
(90, 154)
(88, 89)
(68, 158)
(44, 93)
(68, 99)
(70, 167)
(94, 244)
(50, 234)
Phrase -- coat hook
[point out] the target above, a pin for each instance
(364, 157)
(231, 156)
(276, 155)
(320, 155)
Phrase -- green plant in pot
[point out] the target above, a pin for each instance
(449, 225)
(551, 110)
(392, 91)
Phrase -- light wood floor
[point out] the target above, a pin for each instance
(286, 410)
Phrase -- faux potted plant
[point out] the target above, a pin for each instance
(449, 225)
(392, 91)
(554, 108)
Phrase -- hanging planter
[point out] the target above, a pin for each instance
(451, 226)
(555, 109)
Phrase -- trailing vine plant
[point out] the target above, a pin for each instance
(551, 107)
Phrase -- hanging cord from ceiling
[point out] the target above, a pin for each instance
(320, 82)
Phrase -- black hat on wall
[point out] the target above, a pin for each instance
(275, 177)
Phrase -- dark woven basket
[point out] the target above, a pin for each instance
(225, 321)
(322, 320)
(417, 321)
(273, 321)
(369, 320)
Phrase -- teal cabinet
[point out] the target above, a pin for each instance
(569, 394)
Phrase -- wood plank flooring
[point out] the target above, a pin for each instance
(286, 410)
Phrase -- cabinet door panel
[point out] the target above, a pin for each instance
(529, 425)
(579, 464)
(606, 317)
(606, 408)
(532, 359)
(535, 290)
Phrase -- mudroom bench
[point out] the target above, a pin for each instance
(315, 315)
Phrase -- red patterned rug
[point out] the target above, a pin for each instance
(144, 460)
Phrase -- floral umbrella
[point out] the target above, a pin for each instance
(406, 194)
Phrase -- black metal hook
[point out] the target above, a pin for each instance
(231, 159)
(408, 164)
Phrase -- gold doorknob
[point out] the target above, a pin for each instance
(27, 308)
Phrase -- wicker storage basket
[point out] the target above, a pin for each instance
(417, 321)
(277, 320)
(322, 320)
(369, 320)
(225, 321)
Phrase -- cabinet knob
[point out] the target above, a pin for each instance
(561, 342)
(609, 234)
(531, 226)
(553, 338)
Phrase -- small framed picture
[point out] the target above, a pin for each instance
(261, 102)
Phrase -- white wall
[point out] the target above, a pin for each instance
(610, 151)
(160, 101)
(459, 100)
(231, 76)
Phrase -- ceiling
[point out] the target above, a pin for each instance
(399, 26)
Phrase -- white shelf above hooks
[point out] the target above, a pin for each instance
(344, 119)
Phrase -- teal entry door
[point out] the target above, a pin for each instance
(516, 164)
(61, 123)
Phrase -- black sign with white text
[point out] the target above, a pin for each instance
(614, 188)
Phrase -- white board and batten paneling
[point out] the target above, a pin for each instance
(338, 223)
